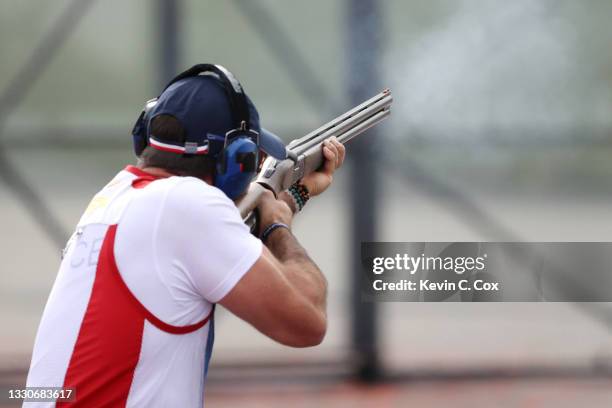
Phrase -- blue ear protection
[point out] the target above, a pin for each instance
(237, 162)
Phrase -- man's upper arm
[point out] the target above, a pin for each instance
(267, 300)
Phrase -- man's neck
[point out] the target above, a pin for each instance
(162, 173)
(157, 171)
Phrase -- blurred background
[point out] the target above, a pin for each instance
(501, 131)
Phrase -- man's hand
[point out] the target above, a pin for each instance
(272, 210)
(318, 181)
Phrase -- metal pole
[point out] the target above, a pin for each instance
(11, 97)
(168, 14)
(363, 32)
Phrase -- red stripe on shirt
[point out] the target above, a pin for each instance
(107, 349)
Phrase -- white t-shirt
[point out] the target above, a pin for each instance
(129, 319)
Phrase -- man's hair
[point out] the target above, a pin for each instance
(168, 128)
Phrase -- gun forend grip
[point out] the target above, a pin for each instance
(249, 201)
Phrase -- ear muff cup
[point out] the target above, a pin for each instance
(139, 134)
(139, 131)
(237, 166)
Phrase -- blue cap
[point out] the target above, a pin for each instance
(202, 106)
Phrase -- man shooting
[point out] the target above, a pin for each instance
(129, 321)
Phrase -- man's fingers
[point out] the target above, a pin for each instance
(333, 146)
(266, 196)
(338, 149)
(330, 159)
(341, 151)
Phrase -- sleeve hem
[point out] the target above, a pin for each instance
(237, 272)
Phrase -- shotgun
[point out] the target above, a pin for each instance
(305, 155)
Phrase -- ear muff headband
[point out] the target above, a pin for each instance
(237, 99)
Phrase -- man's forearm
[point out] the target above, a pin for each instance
(301, 271)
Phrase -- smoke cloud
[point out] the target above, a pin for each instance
(499, 65)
